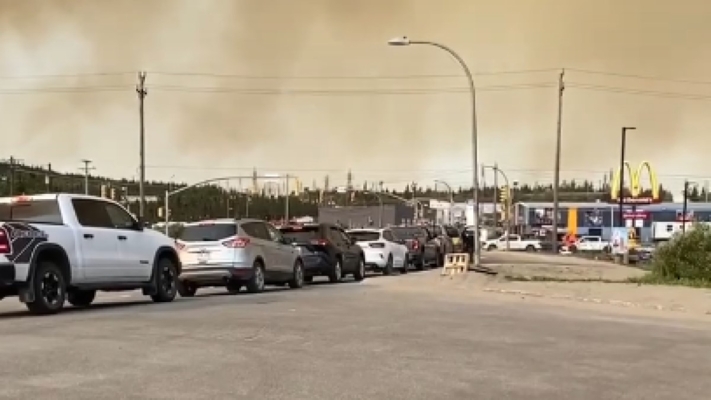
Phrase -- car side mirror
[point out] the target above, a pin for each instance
(138, 225)
(353, 240)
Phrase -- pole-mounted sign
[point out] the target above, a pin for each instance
(636, 193)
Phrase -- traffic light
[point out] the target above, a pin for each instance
(160, 212)
(113, 193)
(103, 191)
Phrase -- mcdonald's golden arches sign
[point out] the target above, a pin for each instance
(636, 192)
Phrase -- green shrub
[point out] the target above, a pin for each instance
(685, 257)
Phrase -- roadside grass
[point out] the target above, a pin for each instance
(522, 278)
(654, 278)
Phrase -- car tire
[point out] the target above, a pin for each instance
(257, 282)
(420, 265)
(186, 289)
(233, 287)
(336, 273)
(50, 289)
(491, 248)
(359, 273)
(405, 265)
(439, 263)
(81, 298)
(166, 278)
(530, 248)
(388, 269)
(297, 280)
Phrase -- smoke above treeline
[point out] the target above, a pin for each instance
(311, 86)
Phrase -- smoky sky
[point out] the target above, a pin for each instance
(210, 122)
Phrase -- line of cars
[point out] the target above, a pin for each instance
(58, 248)
(251, 253)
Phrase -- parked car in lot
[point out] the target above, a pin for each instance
(590, 244)
(64, 247)
(516, 243)
(383, 253)
(421, 251)
(234, 254)
(331, 251)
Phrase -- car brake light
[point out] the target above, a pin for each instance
(377, 245)
(415, 244)
(5, 244)
(320, 242)
(236, 243)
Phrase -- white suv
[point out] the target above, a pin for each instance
(236, 253)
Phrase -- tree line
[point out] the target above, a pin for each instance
(211, 201)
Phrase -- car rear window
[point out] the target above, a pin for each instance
(207, 232)
(407, 233)
(452, 232)
(364, 236)
(37, 211)
(301, 234)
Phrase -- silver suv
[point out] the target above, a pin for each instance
(236, 253)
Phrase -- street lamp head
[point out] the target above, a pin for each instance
(399, 41)
(629, 128)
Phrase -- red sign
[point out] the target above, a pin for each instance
(635, 215)
(639, 200)
(689, 216)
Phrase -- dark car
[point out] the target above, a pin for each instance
(327, 250)
(468, 241)
(421, 252)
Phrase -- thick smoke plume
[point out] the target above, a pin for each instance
(206, 121)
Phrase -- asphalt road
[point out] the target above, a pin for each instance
(370, 340)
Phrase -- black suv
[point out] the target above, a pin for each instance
(332, 252)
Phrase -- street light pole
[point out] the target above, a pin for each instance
(685, 207)
(404, 41)
(451, 199)
(621, 195)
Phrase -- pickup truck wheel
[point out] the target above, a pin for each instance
(256, 282)
(50, 289)
(233, 288)
(359, 274)
(420, 264)
(336, 273)
(530, 248)
(297, 280)
(81, 298)
(186, 289)
(388, 270)
(405, 265)
(166, 281)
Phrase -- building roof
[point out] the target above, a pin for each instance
(604, 205)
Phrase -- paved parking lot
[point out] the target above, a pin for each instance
(368, 340)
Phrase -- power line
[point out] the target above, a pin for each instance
(62, 76)
(67, 89)
(641, 92)
(344, 77)
(641, 77)
(345, 92)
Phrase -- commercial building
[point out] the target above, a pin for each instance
(599, 218)
(368, 216)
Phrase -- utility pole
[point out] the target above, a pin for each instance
(349, 187)
(496, 189)
(86, 168)
(556, 174)
(255, 183)
(142, 93)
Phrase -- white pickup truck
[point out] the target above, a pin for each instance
(57, 247)
(590, 243)
(516, 243)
